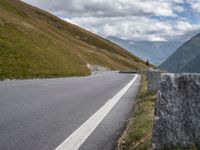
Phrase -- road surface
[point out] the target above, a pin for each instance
(47, 114)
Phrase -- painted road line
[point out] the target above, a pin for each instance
(77, 138)
(68, 81)
(54, 83)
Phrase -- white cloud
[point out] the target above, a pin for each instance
(195, 4)
(108, 8)
(179, 9)
(196, 7)
(129, 19)
(137, 28)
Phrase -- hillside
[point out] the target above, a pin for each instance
(34, 43)
(155, 51)
(192, 66)
(186, 58)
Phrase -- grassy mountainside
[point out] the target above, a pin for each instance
(34, 43)
(183, 60)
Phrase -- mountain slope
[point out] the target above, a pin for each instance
(193, 66)
(186, 57)
(156, 51)
(35, 43)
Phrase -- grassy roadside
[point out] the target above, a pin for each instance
(138, 133)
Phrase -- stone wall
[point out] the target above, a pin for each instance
(154, 78)
(177, 112)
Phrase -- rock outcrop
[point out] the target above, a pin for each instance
(177, 112)
(154, 79)
(94, 68)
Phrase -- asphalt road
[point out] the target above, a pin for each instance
(41, 114)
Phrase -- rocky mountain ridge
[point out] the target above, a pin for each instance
(185, 59)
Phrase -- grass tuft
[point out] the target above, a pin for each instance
(138, 133)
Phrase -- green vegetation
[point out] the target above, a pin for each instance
(147, 62)
(34, 43)
(138, 133)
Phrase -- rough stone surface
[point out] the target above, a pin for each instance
(94, 68)
(177, 112)
(154, 78)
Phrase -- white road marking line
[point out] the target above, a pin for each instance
(77, 138)
(14, 85)
(45, 84)
(54, 83)
(61, 82)
(41, 84)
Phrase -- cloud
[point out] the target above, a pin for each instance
(152, 20)
(195, 4)
(107, 8)
(137, 28)
(196, 7)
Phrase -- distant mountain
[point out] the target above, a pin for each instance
(186, 58)
(155, 52)
(35, 43)
(193, 66)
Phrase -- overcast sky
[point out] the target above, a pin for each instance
(152, 20)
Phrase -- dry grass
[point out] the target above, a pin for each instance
(138, 133)
(34, 43)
